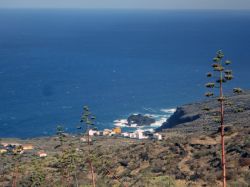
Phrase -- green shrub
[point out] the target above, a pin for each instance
(165, 181)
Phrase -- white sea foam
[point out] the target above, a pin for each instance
(150, 129)
(135, 113)
(159, 119)
(152, 115)
(169, 110)
(121, 123)
(159, 122)
(134, 125)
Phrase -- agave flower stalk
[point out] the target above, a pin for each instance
(222, 75)
(60, 134)
(16, 153)
(88, 119)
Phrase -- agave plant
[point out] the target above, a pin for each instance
(227, 62)
(206, 108)
(221, 76)
(209, 74)
(210, 85)
(228, 72)
(88, 119)
(237, 90)
(16, 153)
(60, 134)
(209, 94)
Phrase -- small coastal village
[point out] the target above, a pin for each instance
(137, 134)
(18, 148)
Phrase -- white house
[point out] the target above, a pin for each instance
(106, 132)
(132, 135)
(125, 134)
(93, 132)
(3, 151)
(158, 136)
(140, 134)
(27, 147)
(41, 154)
(112, 133)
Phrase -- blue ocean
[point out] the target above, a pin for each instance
(118, 62)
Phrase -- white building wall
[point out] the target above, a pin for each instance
(158, 136)
(139, 134)
(92, 132)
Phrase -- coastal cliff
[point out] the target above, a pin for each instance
(202, 116)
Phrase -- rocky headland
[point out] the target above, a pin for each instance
(204, 116)
(140, 120)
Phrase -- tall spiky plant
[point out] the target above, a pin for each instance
(60, 134)
(221, 75)
(16, 153)
(88, 119)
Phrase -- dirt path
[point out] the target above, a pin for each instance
(204, 141)
(182, 164)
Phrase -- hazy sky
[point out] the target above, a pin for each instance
(144, 4)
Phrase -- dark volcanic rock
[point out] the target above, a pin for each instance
(203, 116)
(140, 120)
(124, 163)
(181, 115)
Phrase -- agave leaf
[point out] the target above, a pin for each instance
(209, 74)
(219, 68)
(210, 85)
(228, 71)
(220, 54)
(220, 99)
(227, 62)
(206, 108)
(228, 77)
(237, 90)
(209, 94)
(221, 80)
